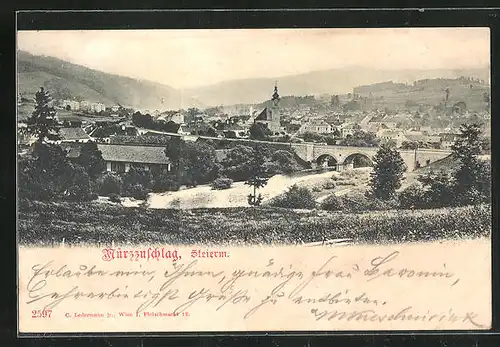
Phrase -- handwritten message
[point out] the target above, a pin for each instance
(421, 286)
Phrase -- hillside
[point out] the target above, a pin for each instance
(426, 92)
(336, 81)
(69, 81)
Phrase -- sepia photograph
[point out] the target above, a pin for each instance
(358, 157)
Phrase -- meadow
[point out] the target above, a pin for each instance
(93, 223)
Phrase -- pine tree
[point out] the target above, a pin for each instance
(473, 177)
(43, 121)
(387, 172)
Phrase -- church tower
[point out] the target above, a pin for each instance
(275, 124)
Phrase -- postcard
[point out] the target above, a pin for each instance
(254, 180)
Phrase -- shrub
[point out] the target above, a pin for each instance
(332, 203)
(295, 197)
(137, 176)
(222, 183)
(109, 184)
(414, 196)
(138, 191)
(329, 185)
(113, 197)
(164, 183)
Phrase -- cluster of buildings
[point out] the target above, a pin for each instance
(73, 105)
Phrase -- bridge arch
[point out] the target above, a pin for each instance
(326, 160)
(356, 160)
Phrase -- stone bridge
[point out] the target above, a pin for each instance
(339, 156)
(344, 156)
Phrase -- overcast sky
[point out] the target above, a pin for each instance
(189, 58)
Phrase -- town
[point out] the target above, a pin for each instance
(345, 120)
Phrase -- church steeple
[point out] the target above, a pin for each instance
(276, 96)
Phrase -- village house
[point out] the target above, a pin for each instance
(120, 158)
(395, 135)
(347, 129)
(317, 127)
(448, 139)
(70, 105)
(71, 135)
(168, 117)
(97, 107)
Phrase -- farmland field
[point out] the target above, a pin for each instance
(93, 223)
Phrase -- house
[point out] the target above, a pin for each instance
(317, 127)
(176, 117)
(448, 139)
(97, 107)
(120, 158)
(347, 129)
(72, 135)
(70, 105)
(395, 135)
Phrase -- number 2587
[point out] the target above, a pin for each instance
(41, 313)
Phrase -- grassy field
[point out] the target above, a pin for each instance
(93, 223)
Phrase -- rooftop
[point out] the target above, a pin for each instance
(134, 154)
(73, 134)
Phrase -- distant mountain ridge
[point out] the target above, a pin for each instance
(65, 80)
(335, 81)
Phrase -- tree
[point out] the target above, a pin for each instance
(440, 190)
(238, 163)
(43, 121)
(284, 162)
(259, 176)
(142, 120)
(47, 174)
(194, 162)
(387, 172)
(90, 159)
(473, 177)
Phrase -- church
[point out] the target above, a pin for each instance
(270, 116)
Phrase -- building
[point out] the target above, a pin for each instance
(72, 135)
(85, 105)
(392, 135)
(176, 117)
(120, 158)
(97, 107)
(70, 105)
(347, 129)
(317, 127)
(270, 116)
(448, 139)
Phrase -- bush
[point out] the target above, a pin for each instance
(164, 183)
(138, 191)
(109, 184)
(332, 203)
(329, 185)
(222, 183)
(295, 197)
(137, 176)
(113, 197)
(413, 196)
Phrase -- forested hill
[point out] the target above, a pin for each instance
(65, 80)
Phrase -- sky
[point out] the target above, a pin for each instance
(192, 58)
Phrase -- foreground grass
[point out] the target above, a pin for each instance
(47, 223)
